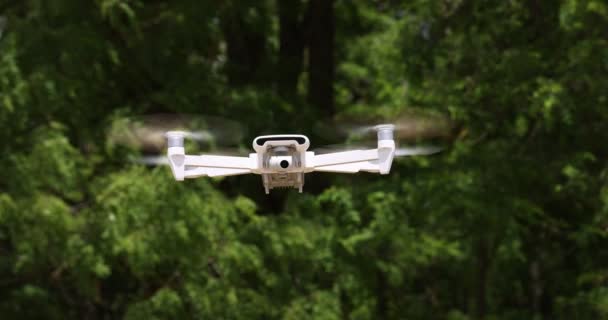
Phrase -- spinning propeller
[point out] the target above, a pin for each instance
(415, 134)
(148, 134)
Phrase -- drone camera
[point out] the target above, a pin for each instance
(280, 162)
(284, 164)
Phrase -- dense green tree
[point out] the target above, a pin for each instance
(509, 222)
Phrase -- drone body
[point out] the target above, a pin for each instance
(281, 160)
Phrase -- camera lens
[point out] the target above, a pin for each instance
(284, 164)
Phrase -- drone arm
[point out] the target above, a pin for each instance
(217, 166)
(344, 157)
(373, 160)
(219, 161)
(189, 166)
(213, 172)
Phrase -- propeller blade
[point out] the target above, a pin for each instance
(153, 160)
(147, 133)
(412, 126)
(417, 151)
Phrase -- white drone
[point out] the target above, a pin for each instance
(282, 160)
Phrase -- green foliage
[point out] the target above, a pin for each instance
(510, 222)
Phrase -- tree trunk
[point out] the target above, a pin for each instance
(536, 285)
(381, 296)
(291, 46)
(482, 277)
(245, 47)
(321, 56)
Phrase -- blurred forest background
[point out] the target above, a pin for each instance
(509, 222)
